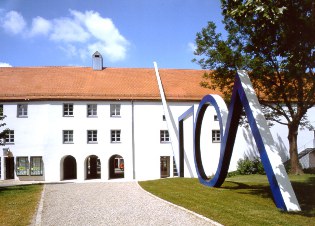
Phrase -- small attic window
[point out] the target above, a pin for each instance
(96, 55)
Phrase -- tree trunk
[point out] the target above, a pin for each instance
(294, 160)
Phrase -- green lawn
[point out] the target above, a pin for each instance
(18, 204)
(241, 200)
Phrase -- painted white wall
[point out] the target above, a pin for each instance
(40, 134)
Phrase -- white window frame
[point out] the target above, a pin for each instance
(36, 166)
(9, 137)
(22, 110)
(216, 136)
(115, 136)
(164, 136)
(68, 110)
(115, 110)
(67, 136)
(92, 110)
(92, 136)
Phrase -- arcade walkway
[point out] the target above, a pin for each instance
(114, 203)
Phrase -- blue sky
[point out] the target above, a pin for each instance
(128, 33)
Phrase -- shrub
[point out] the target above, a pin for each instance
(246, 166)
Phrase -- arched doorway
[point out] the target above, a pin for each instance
(69, 168)
(116, 167)
(93, 167)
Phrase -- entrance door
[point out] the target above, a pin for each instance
(93, 167)
(165, 166)
(9, 167)
(69, 168)
(116, 167)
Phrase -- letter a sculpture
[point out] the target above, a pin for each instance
(243, 95)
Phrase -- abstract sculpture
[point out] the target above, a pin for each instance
(243, 95)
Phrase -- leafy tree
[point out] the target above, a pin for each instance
(2, 133)
(275, 42)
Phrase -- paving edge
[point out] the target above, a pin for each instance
(182, 208)
(38, 217)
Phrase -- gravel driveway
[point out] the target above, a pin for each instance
(115, 203)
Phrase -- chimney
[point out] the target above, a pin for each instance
(97, 61)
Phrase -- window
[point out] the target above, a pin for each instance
(164, 136)
(68, 136)
(114, 110)
(164, 118)
(216, 137)
(115, 136)
(22, 110)
(9, 137)
(67, 109)
(36, 166)
(215, 118)
(92, 136)
(91, 110)
(22, 166)
(1, 110)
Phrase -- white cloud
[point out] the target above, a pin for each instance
(192, 46)
(13, 22)
(79, 35)
(5, 64)
(40, 26)
(109, 41)
(68, 30)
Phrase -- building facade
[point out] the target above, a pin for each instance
(80, 123)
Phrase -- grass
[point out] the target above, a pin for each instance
(18, 204)
(241, 200)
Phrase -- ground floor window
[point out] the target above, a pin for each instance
(36, 166)
(22, 166)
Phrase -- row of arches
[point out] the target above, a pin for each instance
(92, 167)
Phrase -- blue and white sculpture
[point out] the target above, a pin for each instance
(243, 95)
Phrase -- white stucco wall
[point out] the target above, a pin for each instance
(40, 134)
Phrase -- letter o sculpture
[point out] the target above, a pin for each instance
(222, 112)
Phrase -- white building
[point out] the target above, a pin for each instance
(82, 123)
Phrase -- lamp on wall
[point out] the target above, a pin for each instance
(7, 152)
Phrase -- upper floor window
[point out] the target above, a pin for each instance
(164, 136)
(22, 166)
(164, 118)
(1, 110)
(115, 136)
(67, 109)
(92, 110)
(22, 110)
(9, 137)
(92, 136)
(216, 136)
(215, 118)
(114, 110)
(36, 166)
(68, 136)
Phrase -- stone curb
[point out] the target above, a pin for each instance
(182, 208)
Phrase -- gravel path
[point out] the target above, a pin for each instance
(117, 203)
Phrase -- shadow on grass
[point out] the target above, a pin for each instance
(304, 191)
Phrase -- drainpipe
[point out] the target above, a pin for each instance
(133, 140)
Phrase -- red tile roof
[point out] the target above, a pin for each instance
(83, 83)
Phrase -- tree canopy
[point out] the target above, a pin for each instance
(2, 133)
(275, 42)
